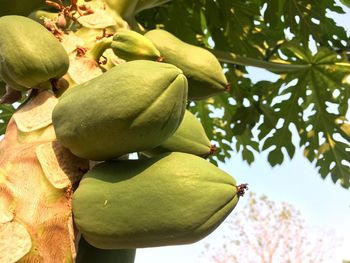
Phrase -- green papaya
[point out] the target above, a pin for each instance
(190, 137)
(132, 107)
(172, 199)
(30, 55)
(202, 69)
(130, 45)
(90, 254)
(19, 7)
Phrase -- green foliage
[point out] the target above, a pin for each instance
(6, 112)
(296, 40)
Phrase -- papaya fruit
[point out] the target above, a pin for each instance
(30, 55)
(130, 45)
(19, 7)
(190, 137)
(174, 198)
(90, 254)
(132, 107)
(202, 69)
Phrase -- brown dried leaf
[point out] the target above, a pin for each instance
(82, 69)
(36, 114)
(99, 19)
(60, 166)
(15, 242)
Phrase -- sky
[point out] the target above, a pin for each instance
(322, 203)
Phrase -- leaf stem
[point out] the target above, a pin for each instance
(97, 50)
(231, 58)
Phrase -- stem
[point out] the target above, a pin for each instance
(97, 50)
(232, 58)
(241, 189)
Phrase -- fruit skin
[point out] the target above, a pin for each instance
(130, 45)
(90, 254)
(190, 137)
(28, 61)
(172, 199)
(202, 69)
(132, 107)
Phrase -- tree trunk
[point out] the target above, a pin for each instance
(37, 179)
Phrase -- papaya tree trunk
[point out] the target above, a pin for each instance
(37, 179)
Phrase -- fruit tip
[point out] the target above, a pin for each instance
(241, 189)
(160, 59)
(228, 87)
(213, 149)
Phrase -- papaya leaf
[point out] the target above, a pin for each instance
(6, 112)
(313, 101)
(307, 18)
(345, 2)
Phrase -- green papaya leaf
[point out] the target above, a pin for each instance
(345, 2)
(313, 102)
(6, 112)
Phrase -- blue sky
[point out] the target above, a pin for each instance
(322, 203)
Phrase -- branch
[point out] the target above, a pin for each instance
(231, 58)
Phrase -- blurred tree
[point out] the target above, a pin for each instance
(267, 232)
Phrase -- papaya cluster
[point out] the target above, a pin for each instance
(133, 100)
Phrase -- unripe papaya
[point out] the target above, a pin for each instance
(171, 199)
(30, 56)
(202, 69)
(91, 254)
(132, 107)
(190, 137)
(130, 45)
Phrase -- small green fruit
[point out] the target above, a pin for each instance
(130, 45)
(202, 69)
